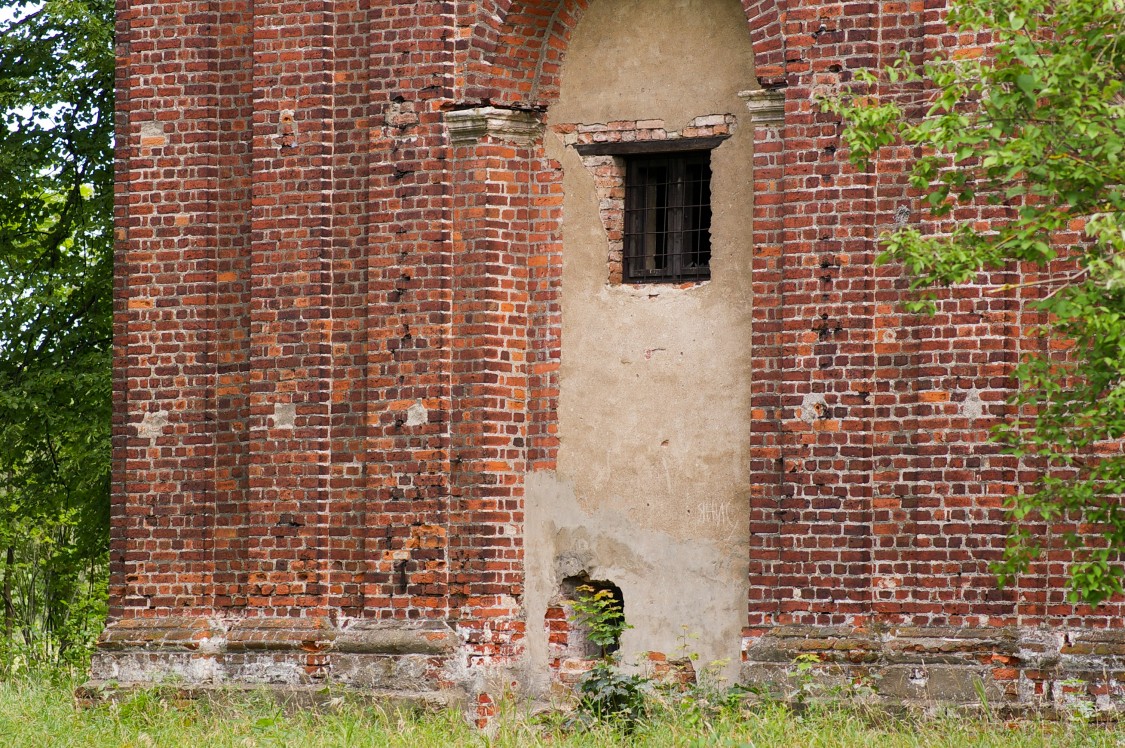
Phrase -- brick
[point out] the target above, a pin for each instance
(305, 258)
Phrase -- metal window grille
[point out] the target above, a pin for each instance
(668, 218)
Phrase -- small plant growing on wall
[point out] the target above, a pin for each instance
(601, 613)
(606, 694)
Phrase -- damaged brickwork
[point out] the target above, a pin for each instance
(1021, 669)
(360, 435)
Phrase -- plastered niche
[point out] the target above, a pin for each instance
(682, 595)
(651, 491)
(655, 59)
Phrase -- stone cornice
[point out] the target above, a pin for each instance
(468, 126)
(767, 107)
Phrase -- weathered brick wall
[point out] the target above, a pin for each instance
(338, 346)
(880, 499)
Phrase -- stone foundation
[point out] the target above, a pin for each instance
(1044, 670)
(1016, 669)
(411, 662)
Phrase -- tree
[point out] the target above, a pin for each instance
(1036, 124)
(56, 212)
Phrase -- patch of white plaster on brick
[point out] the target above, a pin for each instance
(152, 425)
(973, 406)
(152, 134)
(812, 407)
(712, 120)
(284, 415)
(417, 415)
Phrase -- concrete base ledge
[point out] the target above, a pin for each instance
(305, 634)
(96, 692)
(393, 656)
(1013, 669)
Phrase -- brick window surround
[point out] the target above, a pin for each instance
(606, 150)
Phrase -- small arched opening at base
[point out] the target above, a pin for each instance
(571, 650)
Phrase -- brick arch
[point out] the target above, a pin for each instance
(517, 48)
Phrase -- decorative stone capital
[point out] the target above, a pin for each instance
(468, 126)
(767, 107)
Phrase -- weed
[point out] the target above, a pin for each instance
(610, 696)
(804, 678)
(606, 695)
(600, 612)
(36, 712)
(1078, 706)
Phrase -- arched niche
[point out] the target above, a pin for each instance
(650, 487)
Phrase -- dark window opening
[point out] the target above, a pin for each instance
(668, 218)
(570, 591)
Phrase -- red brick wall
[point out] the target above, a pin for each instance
(338, 332)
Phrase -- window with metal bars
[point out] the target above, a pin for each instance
(667, 218)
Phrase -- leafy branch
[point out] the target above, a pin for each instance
(1036, 126)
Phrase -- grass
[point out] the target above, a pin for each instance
(42, 713)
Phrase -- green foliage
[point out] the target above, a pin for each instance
(710, 699)
(1076, 702)
(1037, 128)
(36, 713)
(804, 677)
(811, 687)
(609, 696)
(600, 613)
(56, 193)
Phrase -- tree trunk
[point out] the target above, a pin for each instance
(9, 606)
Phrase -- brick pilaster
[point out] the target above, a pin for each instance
(409, 264)
(493, 151)
(290, 279)
(166, 324)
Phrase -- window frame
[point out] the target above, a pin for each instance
(660, 224)
(676, 155)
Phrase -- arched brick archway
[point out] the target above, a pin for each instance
(516, 55)
(514, 61)
(517, 47)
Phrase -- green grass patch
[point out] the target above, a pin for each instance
(42, 713)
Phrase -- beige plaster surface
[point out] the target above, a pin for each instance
(682, 595)
(649, 59)
(651, 490)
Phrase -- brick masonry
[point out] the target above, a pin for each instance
(337, 330)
